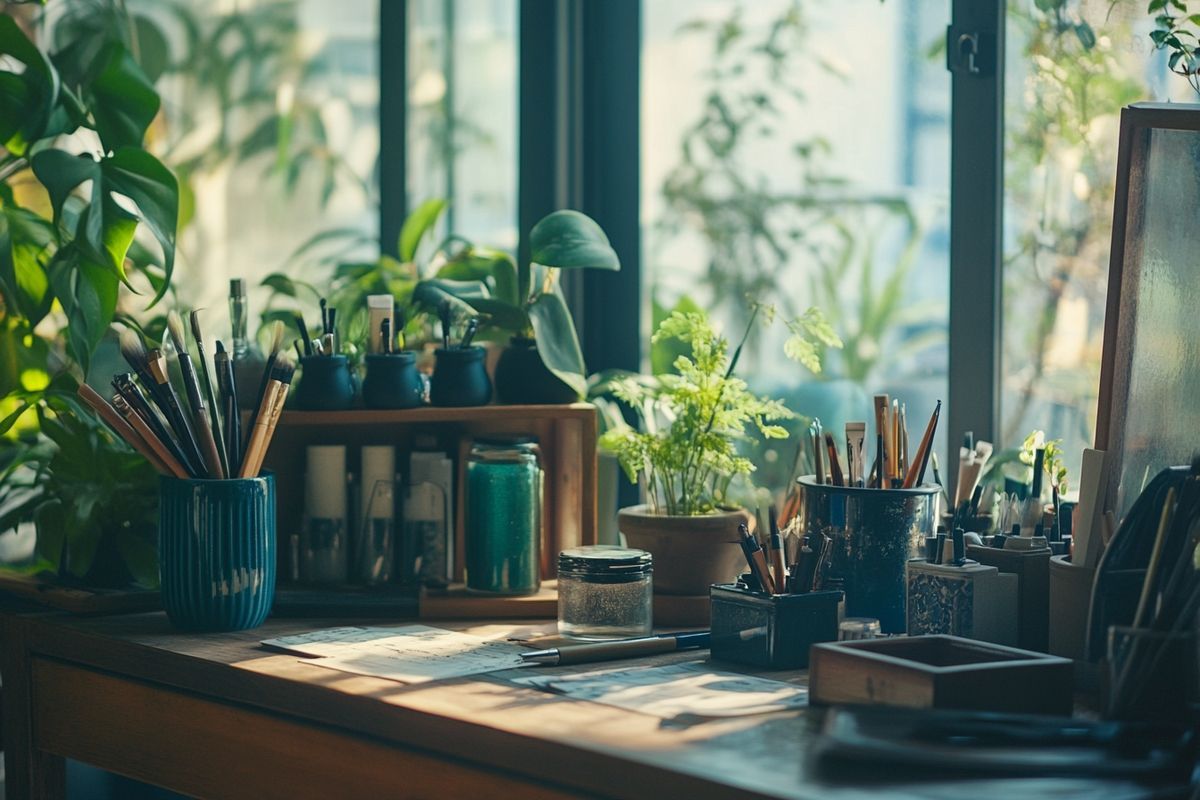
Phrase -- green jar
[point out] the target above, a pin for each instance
(504, 516)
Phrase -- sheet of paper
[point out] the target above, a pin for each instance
(690, 689)
(409, 654)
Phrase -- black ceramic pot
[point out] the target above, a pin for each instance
(460, 378)
(522, 378)
(393, 381)
(325, 384)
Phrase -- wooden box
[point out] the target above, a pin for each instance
(566, 436)
(939, 672)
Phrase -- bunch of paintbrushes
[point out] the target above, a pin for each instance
(196, 432)
(892, 468)
(324, 345)
(769, 565)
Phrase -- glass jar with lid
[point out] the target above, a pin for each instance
(605, 592)
(504, 516)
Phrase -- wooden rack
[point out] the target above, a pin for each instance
(566, 436)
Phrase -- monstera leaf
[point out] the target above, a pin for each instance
(28, 98)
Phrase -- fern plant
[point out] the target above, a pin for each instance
(690, 422)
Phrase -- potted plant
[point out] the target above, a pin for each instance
(686, 450)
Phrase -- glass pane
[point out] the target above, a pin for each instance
(780, 165)
(270, 119)
(462, 115)
(1070, 70)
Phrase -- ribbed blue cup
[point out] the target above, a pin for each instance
(216, 550)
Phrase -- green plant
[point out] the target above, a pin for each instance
(79, 197)
(527, 300)
(692, 420)
(1052, 461)
(1177, 32)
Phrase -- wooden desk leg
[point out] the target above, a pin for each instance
(28, 772)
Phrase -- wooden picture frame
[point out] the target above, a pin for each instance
(1144, 420)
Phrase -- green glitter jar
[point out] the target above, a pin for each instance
(504, 516)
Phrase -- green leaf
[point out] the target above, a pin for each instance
(51, 521)
(88, 294)
(557, 341)
(282, 284)
(419, 222)
(140, 556)
(124, 102)
(60, 172)
(1085, 34)
(152, 187)
(24, 240)
(430, 294)
(501, 315)
(571, 240)
(27, 100)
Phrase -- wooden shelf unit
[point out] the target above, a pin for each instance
(566, 436)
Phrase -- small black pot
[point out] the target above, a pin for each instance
(460, 378)
(522, 378)
(393, 381)
(325, 384)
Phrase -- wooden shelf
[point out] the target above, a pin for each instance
(566, 437)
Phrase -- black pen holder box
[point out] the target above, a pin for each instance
(771, 631)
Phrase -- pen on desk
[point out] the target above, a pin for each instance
(621, 648)
(778, 567)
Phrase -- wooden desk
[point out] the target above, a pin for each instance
(218, 716)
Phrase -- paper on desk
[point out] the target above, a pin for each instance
(409, 653)
(676, 690)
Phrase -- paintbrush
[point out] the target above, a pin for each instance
(835, 464)
(191, 384)
(444, 316)
(151, 367)
(223, 365)
(304, 337)
(385, 336)
(331, 345)
(273, 353)
(136, 422)
(916, 470)
(267, 415)
(210, 393)
(124, 385)
(469, 334)
(778, 568)
(120, 427)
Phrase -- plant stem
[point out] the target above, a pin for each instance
(12, 167)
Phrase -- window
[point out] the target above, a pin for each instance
(1069, 71)
(462, 130)
(779, 164)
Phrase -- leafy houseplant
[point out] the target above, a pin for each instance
(76, 188)
(686, 450)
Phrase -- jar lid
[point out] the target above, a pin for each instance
(502, 440)
(605, 560)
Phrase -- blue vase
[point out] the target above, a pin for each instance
(216, 544)
(460, 377)
(393, 381)
(325, 384)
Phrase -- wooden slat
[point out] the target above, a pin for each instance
(200, 747)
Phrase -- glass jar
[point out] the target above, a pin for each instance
(605, 592)
(504, 516)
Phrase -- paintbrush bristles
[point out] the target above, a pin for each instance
(133, 349)
(276, 337)
(175, 330)
(284, 368)
(197, 334)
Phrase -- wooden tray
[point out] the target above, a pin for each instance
(939, 672)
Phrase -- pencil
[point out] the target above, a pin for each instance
(916, 470)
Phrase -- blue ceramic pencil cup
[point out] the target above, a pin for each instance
(325, 384)
(460, 377)
(216, 545)
(393, 381)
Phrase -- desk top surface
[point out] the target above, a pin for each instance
(596, 749)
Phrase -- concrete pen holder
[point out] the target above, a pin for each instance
(771, 631)
(217, 551)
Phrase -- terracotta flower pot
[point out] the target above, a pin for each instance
(690, 553)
